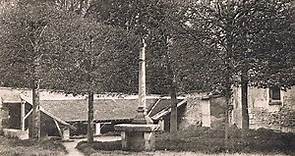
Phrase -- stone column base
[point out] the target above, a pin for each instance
(137, 137)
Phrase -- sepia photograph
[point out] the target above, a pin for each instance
(147, 77)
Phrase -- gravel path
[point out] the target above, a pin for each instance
(72, 151)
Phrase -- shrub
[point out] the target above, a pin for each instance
(107, 146)
(85, 148)
(52, 145)
(25, 143)
(88, 149)
(212, 141)
(30, 147)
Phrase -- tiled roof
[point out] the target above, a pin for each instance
(12, 95)
(104, 109)
(71, 108)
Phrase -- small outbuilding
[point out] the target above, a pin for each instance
(66, 115)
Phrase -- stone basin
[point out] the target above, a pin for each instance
(137, 137)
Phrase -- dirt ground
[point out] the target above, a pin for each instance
(166, 153)
(72, 151)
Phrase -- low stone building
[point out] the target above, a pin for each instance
(270, 108)
(10, 112)
(194, 110)
(66, 115)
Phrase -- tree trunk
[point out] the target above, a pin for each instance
(228, 102)
(244, 88)
(90, 118)
(34, 130)
(173, 116)
(226, 123)
(172, 89)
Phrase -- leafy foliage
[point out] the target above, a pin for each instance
(22, 40)
(84, 54)
(248, 35)
(159, 21)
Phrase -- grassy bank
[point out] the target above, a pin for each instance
(198, 139)
(204, 141)
(171, 153)
(15, 147)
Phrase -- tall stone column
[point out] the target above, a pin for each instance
(141, 117)
(138, 135)
(142, 81)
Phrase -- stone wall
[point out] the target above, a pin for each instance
(192, 113)
(262, 114)
(280, 120)
(289, 98)
(217, 114)
(3, 117)
(203, 111)
(15, 133)
(181, 119)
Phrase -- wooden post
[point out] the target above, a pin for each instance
(66, 133)
(124, 140)
(162, 124)
(22, 116)
(97, 129)
(1, 115)
(173, 105)
(59, 129)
